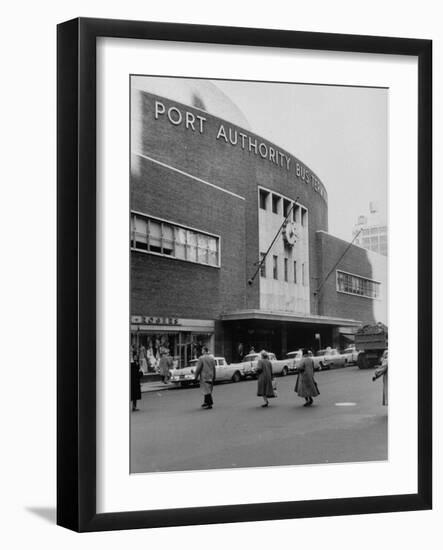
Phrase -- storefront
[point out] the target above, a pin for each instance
(183, 338)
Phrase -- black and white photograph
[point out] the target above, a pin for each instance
(258, 236)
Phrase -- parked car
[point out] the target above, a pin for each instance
(351, 355)
(333, 358)
(294, 358)
(328, 358)
(248, 365)
(223, 373)
(319, 358)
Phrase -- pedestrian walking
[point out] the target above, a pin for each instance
(383, 371)
(165, 365)
(265, 380)
(135, 375)
(306, 386)
(206, 372)
(142, 359)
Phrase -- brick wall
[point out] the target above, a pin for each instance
(357, 261)
(166, 286)
(162, 192)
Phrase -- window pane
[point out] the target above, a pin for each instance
(154, 236)
(275, 267)
(286, 207)
(275, 204)
(263, 265)
(263, 199)
(202, 253)
(213, 251)
(140, 232)
(192, 246)
(180, 243)
(168, 241)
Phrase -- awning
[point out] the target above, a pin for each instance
(247, 314)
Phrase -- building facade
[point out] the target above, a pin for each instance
(371, 232)
(208, 199)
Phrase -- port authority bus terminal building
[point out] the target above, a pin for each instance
(208, 196)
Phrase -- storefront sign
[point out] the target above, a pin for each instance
(144, 320)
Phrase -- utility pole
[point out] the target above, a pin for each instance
(251, 280)
(336, 263)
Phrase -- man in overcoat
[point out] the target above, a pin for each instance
(206, 372)
(165, 365)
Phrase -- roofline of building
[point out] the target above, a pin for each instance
(261, 314)
(348, 242)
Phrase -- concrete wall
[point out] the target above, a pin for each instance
(278, 294)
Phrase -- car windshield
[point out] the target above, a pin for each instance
(320, 352)
(252, 357)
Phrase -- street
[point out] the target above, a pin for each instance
(346, 424)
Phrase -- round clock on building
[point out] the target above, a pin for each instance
(289, 234)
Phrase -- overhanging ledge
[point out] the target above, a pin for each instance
(264, 315)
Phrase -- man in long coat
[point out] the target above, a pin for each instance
(306, 386)
(165, 365)
(206, 371)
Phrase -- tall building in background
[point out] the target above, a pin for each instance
(372, 231)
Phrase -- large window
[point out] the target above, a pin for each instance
(263, 199)
(275, 267)
(360, 286)
(168, 239)
(276, 204)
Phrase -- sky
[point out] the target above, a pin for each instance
(340, 132)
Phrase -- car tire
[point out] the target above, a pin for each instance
(284, 371)
(236, 377)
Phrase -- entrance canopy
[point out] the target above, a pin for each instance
(260, 314)
(281, 332)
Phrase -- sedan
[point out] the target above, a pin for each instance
(294, 358)
(223, 373)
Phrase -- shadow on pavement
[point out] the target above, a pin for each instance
(48, 514)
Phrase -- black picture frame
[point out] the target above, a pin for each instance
(76, 265)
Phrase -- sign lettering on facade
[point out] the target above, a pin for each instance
(146, 320)
(230, 135)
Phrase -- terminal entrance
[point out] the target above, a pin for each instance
(279, 337)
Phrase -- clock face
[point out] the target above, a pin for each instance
(289, 233)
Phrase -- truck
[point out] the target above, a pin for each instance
(371, 341)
